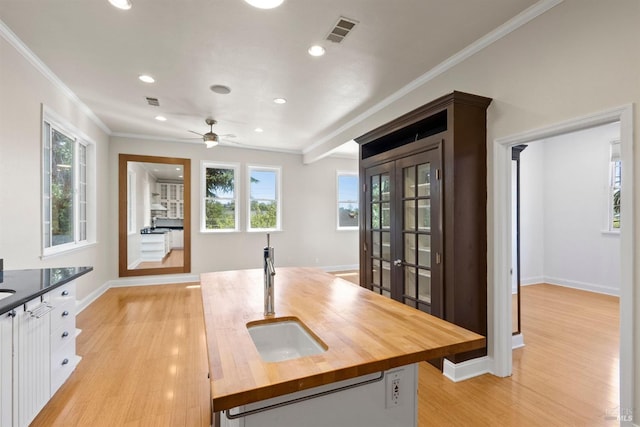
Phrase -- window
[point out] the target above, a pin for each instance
(220, 198)
(65, 187)
(347, 201)
(131, 202)
(264, 198)
(615, 181)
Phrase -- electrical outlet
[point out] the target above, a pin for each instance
(393, 389)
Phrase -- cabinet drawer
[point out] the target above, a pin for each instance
(63, 356)
(63, 313)
(63, 362)
(61, 336)
(66, 292)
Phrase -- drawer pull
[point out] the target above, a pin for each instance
(65, 293)
(65, 361)
(65, 313)
(65, 334)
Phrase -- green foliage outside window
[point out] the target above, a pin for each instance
(220, 206)
(62, 189)
(263, 214)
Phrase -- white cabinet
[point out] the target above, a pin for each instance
(172, 198)
(154, 246)
(6, 375)
(31, 365)
(177, 239)
(63, 334)
(37, 353)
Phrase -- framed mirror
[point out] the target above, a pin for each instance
(154, 215)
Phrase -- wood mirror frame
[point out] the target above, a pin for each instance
(123, 161)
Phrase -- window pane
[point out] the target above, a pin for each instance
(220, 214)
(62, 219)
(347, 215)
(263, 214)
(263, 193)
(347, 201)
(220, 183)
(219, 202)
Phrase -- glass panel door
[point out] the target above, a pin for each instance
(379, 239)
(420, 258)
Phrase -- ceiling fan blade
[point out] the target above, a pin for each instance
(196, 133)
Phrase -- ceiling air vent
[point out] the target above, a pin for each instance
(153, 101)
(342, 28)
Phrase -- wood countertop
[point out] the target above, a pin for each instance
(364, 332)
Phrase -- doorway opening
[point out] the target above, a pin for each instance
(500, 299)
(569, 269)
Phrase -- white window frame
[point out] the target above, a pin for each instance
(278, 171)
(131, 202)
(203, 195)
(61, 125)
(614, 164)
(338, 201)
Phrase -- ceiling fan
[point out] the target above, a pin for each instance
(210, 138)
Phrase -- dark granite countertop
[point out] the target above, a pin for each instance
(29, 284)
(160, 230)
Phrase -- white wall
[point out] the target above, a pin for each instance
(308, 237)
(564, 196)
(23, 89)
(532, 215)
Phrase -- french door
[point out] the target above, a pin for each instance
(403, 241)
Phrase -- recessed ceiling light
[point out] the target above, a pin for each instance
(259, 130)
(316, 50)
(264, 4)
(177, 169)
(221, 89)
(161, 118)
(280, 101)
(180, 176)
(146, 78)
(121, 4)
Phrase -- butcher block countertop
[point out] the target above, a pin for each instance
(364, 332)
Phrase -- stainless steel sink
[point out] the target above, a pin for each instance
(284, 338)
(4, 293)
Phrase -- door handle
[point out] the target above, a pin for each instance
(397, 262)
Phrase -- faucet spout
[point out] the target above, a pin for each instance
(269, 273)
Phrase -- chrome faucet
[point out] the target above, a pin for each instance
(269, 272)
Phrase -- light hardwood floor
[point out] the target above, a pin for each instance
(145, 364)
(174, 259)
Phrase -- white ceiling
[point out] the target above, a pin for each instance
(188, 45)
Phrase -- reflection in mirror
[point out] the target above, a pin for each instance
(515, 233)
(154, 215)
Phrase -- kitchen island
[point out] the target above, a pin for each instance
(368, 343)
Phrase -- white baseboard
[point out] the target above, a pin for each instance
(517, 341)
(464, 370)
(85, 302)
(591, 287)
(153, 280)
(333, 268)
(134, 264)
(531, 280)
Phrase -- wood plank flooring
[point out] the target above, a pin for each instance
(174, 259)
(145, 364)
(566, 375)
